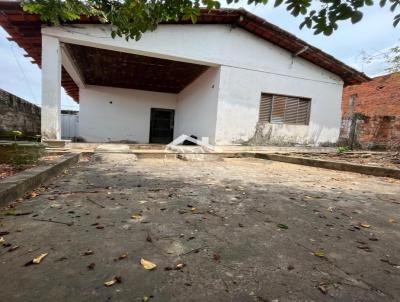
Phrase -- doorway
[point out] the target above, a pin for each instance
(161, 126)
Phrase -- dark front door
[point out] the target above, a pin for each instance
(161, 125)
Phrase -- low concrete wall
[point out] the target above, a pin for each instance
(18, 114)
(16, 186)
(333, 165)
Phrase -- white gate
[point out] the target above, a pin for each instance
(69, 126)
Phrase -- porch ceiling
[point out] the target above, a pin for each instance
(117, 69)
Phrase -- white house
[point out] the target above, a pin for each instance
(232, 77)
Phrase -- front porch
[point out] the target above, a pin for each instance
(126, 97)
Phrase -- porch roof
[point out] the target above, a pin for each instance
(25, 30)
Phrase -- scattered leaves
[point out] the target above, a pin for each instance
(136, 216)
(365, 225)
(91, 266)
(88, 252)
(147, 264)
(2, 240)
(115, 279)
(391, 220)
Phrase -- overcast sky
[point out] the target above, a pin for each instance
(372, 35)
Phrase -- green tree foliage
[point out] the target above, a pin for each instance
(131, 18)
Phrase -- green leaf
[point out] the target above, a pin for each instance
(282, 226)
(357, 16)
(277, 3)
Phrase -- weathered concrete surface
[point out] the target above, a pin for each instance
(242, 255)
(18, 114)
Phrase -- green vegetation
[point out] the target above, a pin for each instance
(20, 154)
(131, 18)
(343, 149)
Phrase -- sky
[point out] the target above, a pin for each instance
(372, 35)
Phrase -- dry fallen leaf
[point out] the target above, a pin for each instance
(123, 256)
(2, 239)
(116, 279)
(319, 254)
(193, 209)
(323, 288)
(136, 216)
(391, 220)
(33, 195)
(39, 259)
(365, 225)
(147, 264)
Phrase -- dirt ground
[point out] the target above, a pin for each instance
(7, 170)
(232, 230)
(377, 159)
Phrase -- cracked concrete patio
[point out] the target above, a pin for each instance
(220, 219)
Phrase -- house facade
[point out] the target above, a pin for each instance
(371, 113)
(232, 77)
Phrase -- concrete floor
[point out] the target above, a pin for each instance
(231, 245)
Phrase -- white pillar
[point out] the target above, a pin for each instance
(51, 88)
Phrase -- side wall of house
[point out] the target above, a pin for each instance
(196, 109)
(115, 114)
(238, 108)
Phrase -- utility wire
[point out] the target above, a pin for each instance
(24, 75)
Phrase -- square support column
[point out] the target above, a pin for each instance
(51, 89)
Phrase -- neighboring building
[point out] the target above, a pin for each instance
(70, 125)
(232, 77)
(17, 114)
(371, 113)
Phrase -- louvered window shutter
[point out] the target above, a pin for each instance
(280, 109)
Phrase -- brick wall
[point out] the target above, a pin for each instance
(18, 114)
(376, 107)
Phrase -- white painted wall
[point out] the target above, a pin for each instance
(127, 118)
(249, 66)
(196, 109)
(239, 100)
(209, 44)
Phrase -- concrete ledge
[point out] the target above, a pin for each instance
(62, 143)
(332, 165)
(16, 186)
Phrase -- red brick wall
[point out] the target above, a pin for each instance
(377, 105)
(380, 96)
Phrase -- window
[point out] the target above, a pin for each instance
(280, 109)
